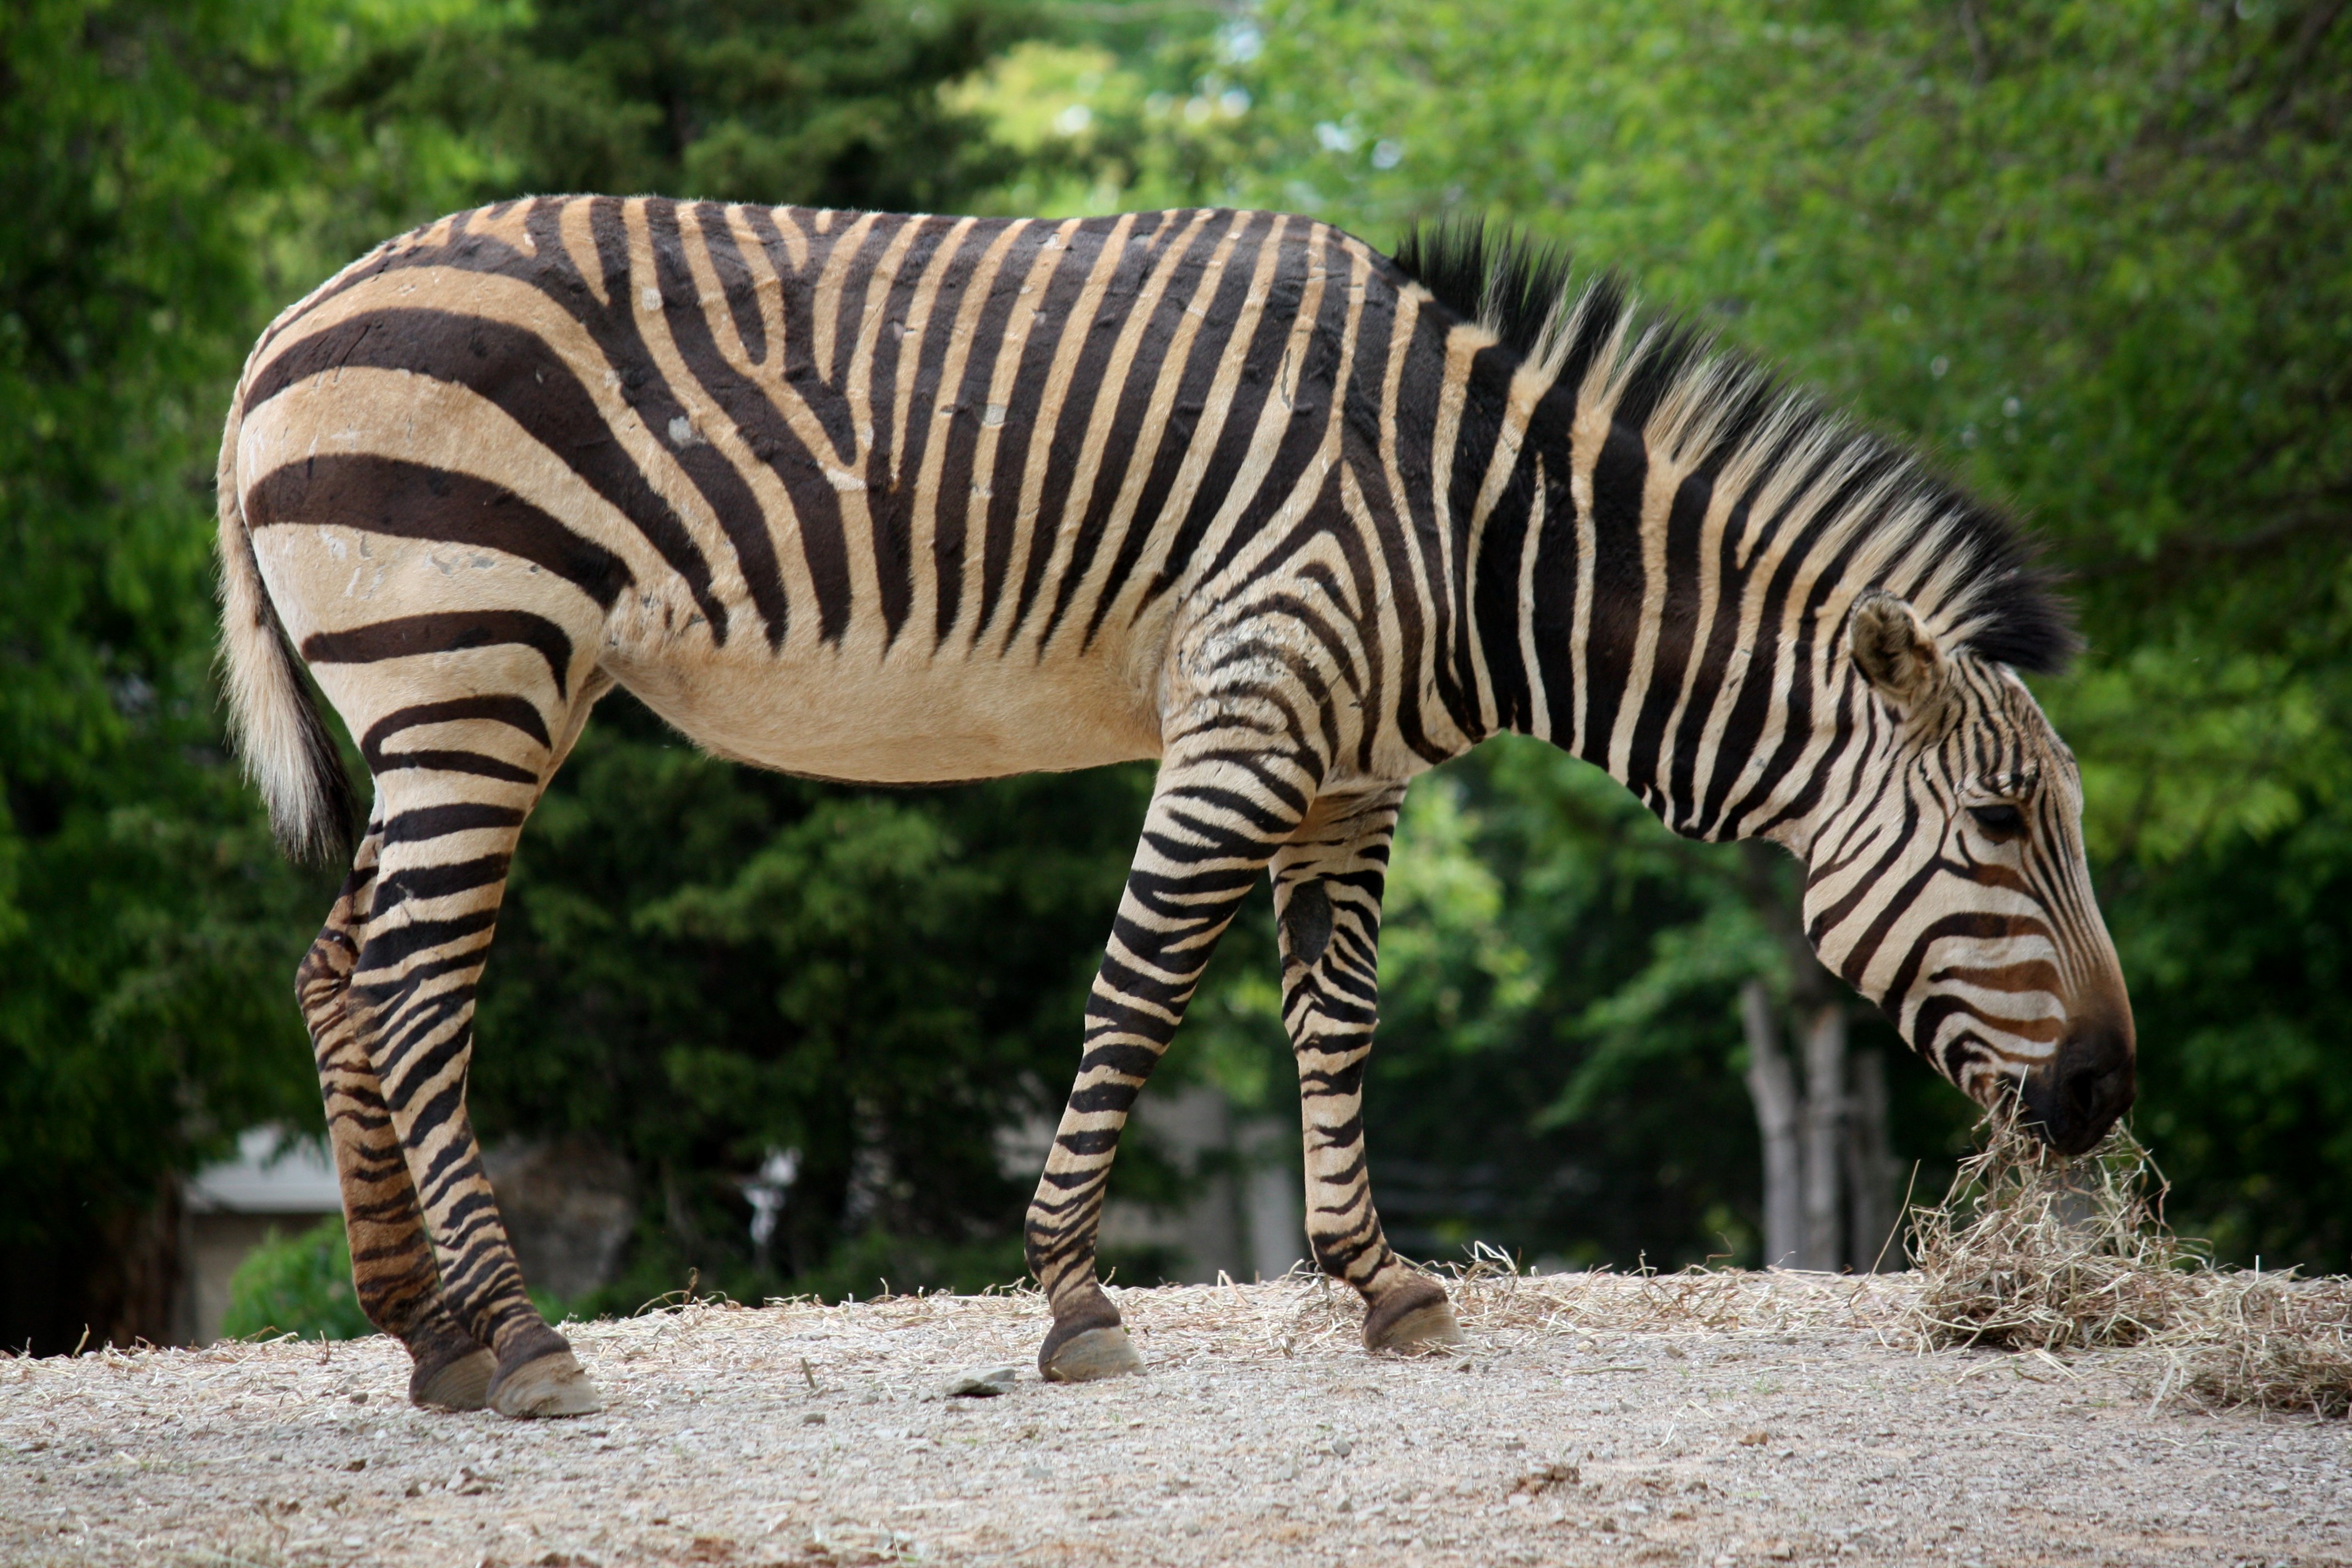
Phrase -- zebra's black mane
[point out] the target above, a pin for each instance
(1523, 292)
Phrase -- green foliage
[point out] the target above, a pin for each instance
(146, 928)
(299, 1284)
(820, 102)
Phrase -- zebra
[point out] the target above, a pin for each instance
(915, 499)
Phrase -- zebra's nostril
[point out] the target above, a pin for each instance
(2083, 1092)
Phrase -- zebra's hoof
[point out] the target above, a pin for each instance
(1097, 1353)
(1412, 1324)
(460, 1384)
(553, 1384)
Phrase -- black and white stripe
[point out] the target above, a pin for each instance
(906, 498)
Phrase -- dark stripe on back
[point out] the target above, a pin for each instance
(888, 508)
(816, 504)
(1420, 466)
(646, 390)
(1066, 281)
(1231, 286)
(516, 370)
(960, 504)
(736, 284)
(1485, 404)
(410, 501)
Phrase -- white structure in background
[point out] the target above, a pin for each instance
(1246, 1218)
(765, 1194)
(278, 1181)
(567, 1205)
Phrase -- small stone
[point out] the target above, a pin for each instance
(1551, 1477)
(814, 1418)
(359, 1398)
(984, 1385)
(1036, 1473)
(1755, 1440)
(1342, 1447)
(356, 1466)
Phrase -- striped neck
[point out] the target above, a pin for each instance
(1639, 613)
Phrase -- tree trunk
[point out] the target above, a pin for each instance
(1824, 1138)
(1779, 1112)
(1870, 1166)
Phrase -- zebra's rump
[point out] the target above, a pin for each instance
(807, 481)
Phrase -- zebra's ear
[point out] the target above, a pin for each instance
(1896, 651)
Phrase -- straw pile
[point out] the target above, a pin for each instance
(2032, 1251)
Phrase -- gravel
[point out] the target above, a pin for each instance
(1728, 1418)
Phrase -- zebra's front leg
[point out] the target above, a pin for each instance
(1215, 822)
(1328, 883)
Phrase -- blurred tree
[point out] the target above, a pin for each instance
(299, 1284)
(819, 103)
(159, 157)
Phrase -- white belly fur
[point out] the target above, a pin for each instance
(911, 718)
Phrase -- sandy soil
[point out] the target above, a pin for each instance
(1734, 1419)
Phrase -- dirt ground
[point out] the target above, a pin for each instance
(1721, 1419)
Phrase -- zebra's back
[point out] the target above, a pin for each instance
(809, 482)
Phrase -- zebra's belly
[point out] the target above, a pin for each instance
(908, 718)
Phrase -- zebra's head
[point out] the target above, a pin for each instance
(1949, 883)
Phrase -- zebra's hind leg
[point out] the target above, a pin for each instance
(451, 811)
(1216, 820)
(1328, 882)
(392, 1270)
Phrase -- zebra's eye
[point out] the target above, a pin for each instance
(2000, 821)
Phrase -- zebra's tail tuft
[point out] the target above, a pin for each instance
(274, 716)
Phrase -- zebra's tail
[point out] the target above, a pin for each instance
(274, 716)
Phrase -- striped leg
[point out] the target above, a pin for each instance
(451, 813)
(391, 1259)
(1217, 815)
(1328, 882)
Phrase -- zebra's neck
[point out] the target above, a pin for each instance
(1635, 608)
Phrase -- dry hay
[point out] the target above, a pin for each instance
(2031, 1250)
(1489, 1292)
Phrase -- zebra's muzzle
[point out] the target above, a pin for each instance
(2070, 1102)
